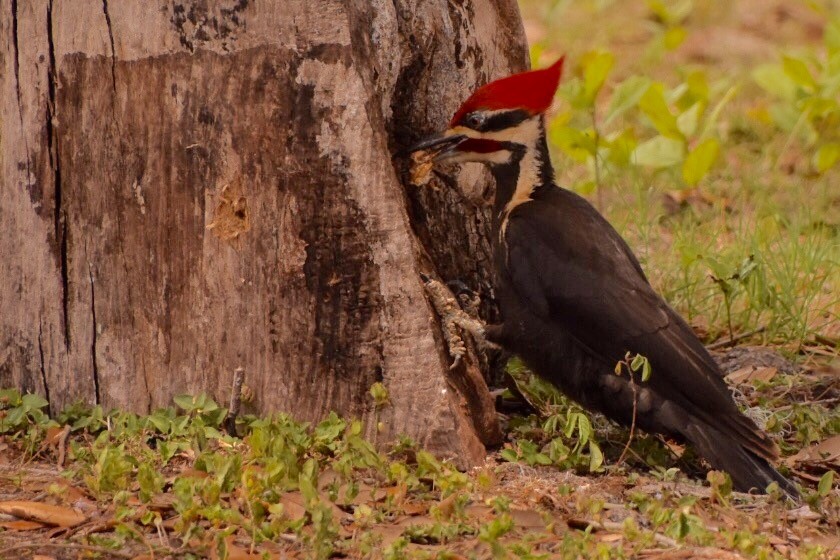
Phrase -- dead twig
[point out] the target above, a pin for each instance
(736, 338)
(612, 526)
(70, 546)
(61, 444)
(235, 401)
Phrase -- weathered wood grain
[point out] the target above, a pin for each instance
(189, 187)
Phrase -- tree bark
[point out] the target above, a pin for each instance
(189, 187)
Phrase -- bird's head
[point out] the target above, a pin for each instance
(498, 119)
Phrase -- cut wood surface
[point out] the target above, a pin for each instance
(193, 187)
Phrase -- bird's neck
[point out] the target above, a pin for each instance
(527, 173)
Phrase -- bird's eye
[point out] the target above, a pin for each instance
(475, 120)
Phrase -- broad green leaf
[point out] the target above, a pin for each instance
(699, 161)
(671, 13)
(596, 67)
(653, 104)
(32, 401)
(10, 397)
(831, 36)
(535, 52)
(820, 106)
(698, 85)
(585, 187)
(620, 147)
(773, 79)
(798, 71)
(825, 484)
(687, 122)
(509, 455)
(658, 152)
(577, 144)
(826, 156)
(626, 95)
(596, 457)
(185, 402)
(784, 115)
(674, 37)
(646, 370)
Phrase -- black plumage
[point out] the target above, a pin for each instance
(574, 300)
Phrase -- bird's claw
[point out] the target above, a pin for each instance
(452, 316)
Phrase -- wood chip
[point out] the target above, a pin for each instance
(421, 167)
(752, 373)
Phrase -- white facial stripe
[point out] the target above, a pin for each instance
(529, 170)
(498, 157)
(525, 132)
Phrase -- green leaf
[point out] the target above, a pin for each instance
(509, 455)
(596, 67)
(575, 143)
(596, 457)
(798, 71)
(825, 484)
(380, 394)
(687, 122)
(619, 147)
(698, 85)
(826, 156)
(185, 402)
(671, 13)
(659, 152)
(625, 96)
(773, 79)
(646, 371)
(31, 401)
(831, 36)
(699, 161)
(654, 106)
(674, 37)
(10, 398)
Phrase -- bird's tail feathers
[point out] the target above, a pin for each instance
(747, 469)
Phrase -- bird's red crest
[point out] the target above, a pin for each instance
(532, 91)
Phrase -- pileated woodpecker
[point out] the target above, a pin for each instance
(574, 299)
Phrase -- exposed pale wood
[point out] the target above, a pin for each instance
(127, 128)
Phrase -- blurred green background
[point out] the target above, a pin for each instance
(709, 134)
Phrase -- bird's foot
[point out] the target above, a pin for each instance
(452, 317)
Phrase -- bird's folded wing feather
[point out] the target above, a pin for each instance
(575, 270)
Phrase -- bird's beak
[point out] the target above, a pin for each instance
(439, 147)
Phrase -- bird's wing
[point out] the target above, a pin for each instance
(575, 270)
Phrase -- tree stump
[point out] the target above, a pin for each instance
(189, 187)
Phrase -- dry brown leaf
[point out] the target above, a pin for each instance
(527, 519)
(42, 557)
(415, 508)
(235, 552)
(69, 493)
(752, 373)
(21, 525)
(446, 507)
(610, 537)
(59, 516)
(827, 451)
(293, 507)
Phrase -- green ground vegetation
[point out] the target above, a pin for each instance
(709, 134)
